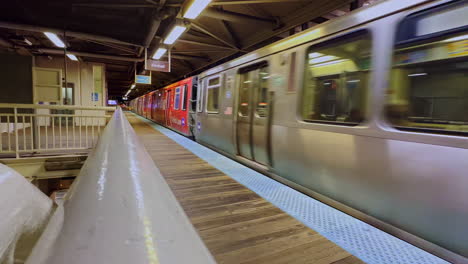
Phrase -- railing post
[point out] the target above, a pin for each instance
(15, 127)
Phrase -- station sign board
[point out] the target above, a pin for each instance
(155, 65)
(143, 79)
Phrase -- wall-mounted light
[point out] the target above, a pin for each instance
(72, 57)
(417, 74)
(159, 53)
(175, 33)
(195, 8)
(55, 39)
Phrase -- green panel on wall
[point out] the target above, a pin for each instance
(16, 79)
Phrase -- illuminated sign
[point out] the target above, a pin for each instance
(154, 65)
(143, 79)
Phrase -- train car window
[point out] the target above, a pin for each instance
(212, 96)
(336, 80)
(246, 83)
(184, 97)
(193, 100)
(262, 93)
(428, 88)
(177, 98)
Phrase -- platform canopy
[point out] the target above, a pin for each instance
(117, 32)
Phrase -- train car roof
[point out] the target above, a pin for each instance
(353, 19)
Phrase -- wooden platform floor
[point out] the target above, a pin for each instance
(236, 224)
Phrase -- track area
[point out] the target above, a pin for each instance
(266, 222)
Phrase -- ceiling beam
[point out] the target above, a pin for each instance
(209, 33)
(248, 2)
(227, 27)
(108, 5)
(92, 55)
(61, 32)
(238, 17)
(204, 44)
(114, 46)
(190, 57)
(296, 18)
(191, 51)
(5, 43)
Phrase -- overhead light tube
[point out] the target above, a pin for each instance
(196, 8)
(55, 39)
(159, 53)
(175, 33)
(133, 86)
(72, 57)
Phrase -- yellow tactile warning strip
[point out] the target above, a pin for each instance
(236, 224)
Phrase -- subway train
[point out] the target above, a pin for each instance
(367, 113)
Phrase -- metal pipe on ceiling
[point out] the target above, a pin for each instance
(79, 35)
(92, 55)
(112, 57)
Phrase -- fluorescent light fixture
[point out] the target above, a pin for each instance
(196, 8)
(329, 63)
(459, 38)
(159, 53)
(322, 59)
(72, 57)
(174, 35)
(315, 55)
(353, 81)
(133, 86)
(55, 39)
(417, 74)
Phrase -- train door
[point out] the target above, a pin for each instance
(153, 109)
(252, 113)
(168, 107)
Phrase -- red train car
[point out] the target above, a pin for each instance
(177, 111)
(169, 106)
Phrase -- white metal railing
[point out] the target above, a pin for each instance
(119, 180)
(30, 128)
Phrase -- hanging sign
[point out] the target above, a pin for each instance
(155, 65)
(143, 79)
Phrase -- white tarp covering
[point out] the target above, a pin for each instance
(24, 210)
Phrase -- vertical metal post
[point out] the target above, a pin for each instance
(66, 130)
(53, 132)
(24, 133)
(8, 132)
(169, 59)
(65, 64)
(15, 112)
(46, 121)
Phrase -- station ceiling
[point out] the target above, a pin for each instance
(117, 32)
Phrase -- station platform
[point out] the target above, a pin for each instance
(243, 216)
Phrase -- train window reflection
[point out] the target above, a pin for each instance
(428, 88)
(336, 80)
(262, 97)
(212, 102)
(244, 98)
(177, 98)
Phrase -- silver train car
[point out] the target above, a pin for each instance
(368, 113)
